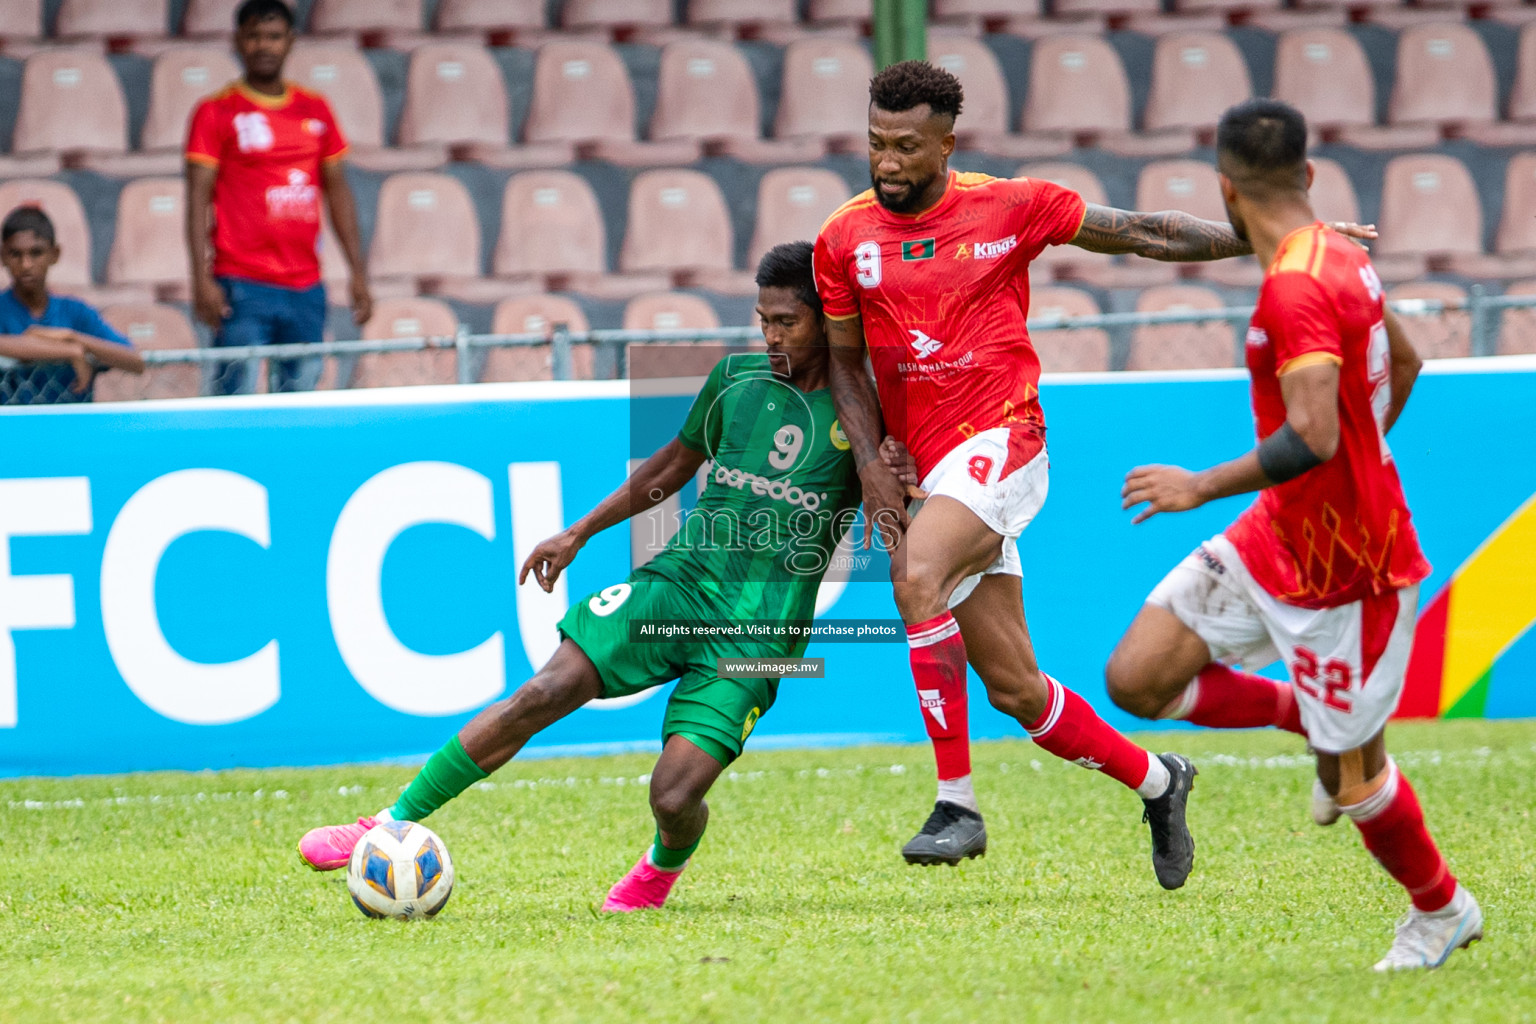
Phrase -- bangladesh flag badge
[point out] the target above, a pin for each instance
(921, 249)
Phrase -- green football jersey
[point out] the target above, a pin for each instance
(781, 492)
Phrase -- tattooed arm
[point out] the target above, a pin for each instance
(858, 411)
(1168, 235)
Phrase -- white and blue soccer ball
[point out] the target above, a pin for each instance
(400, 869)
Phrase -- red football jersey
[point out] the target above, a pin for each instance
(1341, 531)
(943, 296)
(266, 198)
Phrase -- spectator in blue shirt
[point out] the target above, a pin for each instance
(59, 343)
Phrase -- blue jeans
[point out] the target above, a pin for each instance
(267, 314)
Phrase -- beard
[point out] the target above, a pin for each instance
(907, 203)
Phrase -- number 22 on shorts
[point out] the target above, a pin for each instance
(606, 601)
(1327, 681)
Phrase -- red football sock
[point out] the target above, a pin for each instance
(1392, 825)
(1224, 698)
(1072, 731)
(938, 667)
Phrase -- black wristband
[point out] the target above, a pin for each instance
(1284, 456)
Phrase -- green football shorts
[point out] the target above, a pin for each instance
(716, 715)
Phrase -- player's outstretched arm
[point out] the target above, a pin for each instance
(858, 410)
(657, 479)
(1308, 438)
(1405, 367)
(1172, 236)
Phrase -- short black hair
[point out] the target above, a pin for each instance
(1264, 140)
(27, 218)
(911, 83)
(789, 266)
(260, 10)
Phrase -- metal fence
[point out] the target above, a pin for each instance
(1479, 325)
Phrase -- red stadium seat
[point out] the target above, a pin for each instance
(706, 93)
(1104, 8)
(535, 314)
(1333, 194)
(513, 16)
(582, 97)
(1429, 208)
(742, 14)
(346, 79)
(1196, 76)
(1077, 88)
(792, 204)
(182, 76)
(1522, 96)
(1188, 185)
(151, 327)
(618, 15)
(1323, 73)
(408, 318)
(1067, 351)
(1444, 76)
(1517, 334)
(209, 17)
(670, 311)
(425, 230)
(824, 13)
(1446, 335)
(149, 246)
(1514, 245)
(987, 10)
(983, 123)
(824, 93)
(454, 96)
(679, 224)
(21, 20)
(112, 18)
(1180, 346)
(70, 229)
(71, 103)
(366, 16)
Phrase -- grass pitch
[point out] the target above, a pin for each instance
(178, 897)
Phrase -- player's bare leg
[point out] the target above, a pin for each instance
(997, 640)
(1444, 916)
(681, 778)
(488, 741)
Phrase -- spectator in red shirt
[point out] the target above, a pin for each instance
(260, 154)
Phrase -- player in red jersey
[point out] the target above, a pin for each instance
(1323, 569)
(261, 155)
(928, 271)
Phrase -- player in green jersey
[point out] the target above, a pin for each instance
(781, 493)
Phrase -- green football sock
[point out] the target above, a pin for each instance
(668, 859)
(446, 774)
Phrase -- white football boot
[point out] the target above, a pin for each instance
(1325, 809)
(1426, 940)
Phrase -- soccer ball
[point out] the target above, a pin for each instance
(400, 869)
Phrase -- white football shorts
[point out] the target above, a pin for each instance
(1346, 664)
(973, 473)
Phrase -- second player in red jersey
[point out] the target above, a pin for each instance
(1343, 531)
(1322, 572)
(944, 295)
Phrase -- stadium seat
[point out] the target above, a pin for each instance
(496, 17)
(824, 93)
(1195, 77)
(1429, 209)
(151, 327)
(706, 92)
(1078, 91)
(455, 97)
(1446, 335)
(984, 123)
(616, 15)
(71, 104)
(112, 18)
(1520, 127)
(1323, 73)
(535, 314)
(1515, 243)
(1517, 333)
(670, 311)
(553, 237)
(1188, 185)
(149, 246)
(679, 224)
(425, 230)
(73, 271)
(744, 16)
(1104, 8)
(1333, 194)
(1180, 346)
(21, 21)
(363, 16)
(1067, 351)
(1444, 76)
(182, 76)
(792, 204)
(209, 17)
(985, 9)
(408, 318)
(340, 73)
(824, 14)
(583, 98)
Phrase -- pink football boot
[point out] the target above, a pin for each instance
(644, 886)
(330, 846)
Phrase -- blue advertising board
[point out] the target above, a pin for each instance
(325, 578)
